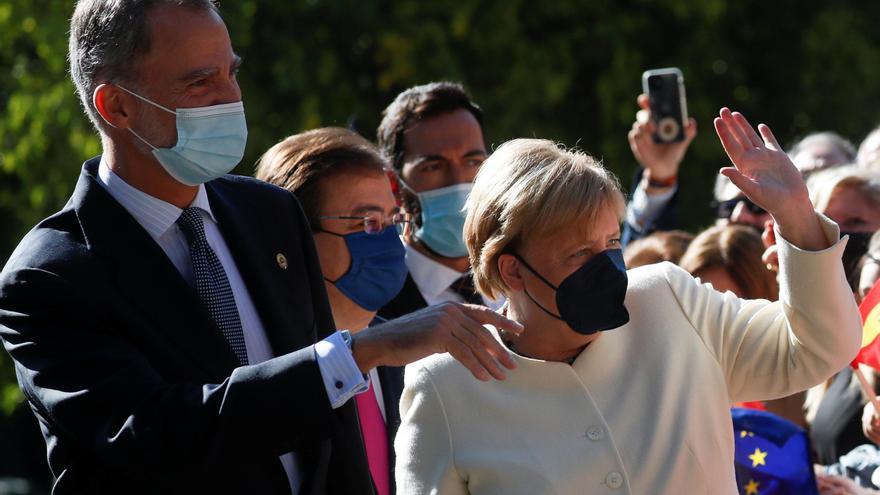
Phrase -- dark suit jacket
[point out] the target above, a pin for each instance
(135, 388)
(408, 300)
(837, 427)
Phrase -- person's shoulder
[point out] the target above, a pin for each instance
(51, 244)
(438, 371)
(54, 252)
(243, 185)
(657, 276)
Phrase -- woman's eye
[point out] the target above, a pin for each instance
(614, 243)
(475, 162)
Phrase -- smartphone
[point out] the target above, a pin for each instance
(665, 90)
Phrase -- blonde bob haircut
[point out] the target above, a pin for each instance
(527, 189)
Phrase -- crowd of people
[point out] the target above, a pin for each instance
(420, 315)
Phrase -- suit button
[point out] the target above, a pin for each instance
(614, 480)
(338, 384)
(595, 433)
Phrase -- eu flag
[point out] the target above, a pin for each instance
(772, 455)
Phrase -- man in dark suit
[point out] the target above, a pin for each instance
(169, 325)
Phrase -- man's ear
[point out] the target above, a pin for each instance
(112, 105)
(510, 269)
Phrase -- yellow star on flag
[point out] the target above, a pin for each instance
(758, 458)
(752, 487)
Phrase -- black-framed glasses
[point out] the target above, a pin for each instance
(724, 209)
(375, 222)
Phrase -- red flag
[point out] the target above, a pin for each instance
(870, 310)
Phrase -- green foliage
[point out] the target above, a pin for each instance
(564, 70)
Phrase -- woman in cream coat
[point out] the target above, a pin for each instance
(623, 380)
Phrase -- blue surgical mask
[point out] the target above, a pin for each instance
(210, 141)
(442, 220)
(378, 268)
(591, 299)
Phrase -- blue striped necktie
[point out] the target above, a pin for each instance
(212, 285)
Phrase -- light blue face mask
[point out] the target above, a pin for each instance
(443, 220)
(210, 141)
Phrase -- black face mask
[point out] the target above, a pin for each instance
(590, 300)
(856, 247)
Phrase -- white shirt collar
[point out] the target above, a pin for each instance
(431, 277)
(153, 214)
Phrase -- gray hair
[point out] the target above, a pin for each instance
(106, 39)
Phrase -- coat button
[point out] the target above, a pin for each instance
(338, 384)
(614, 480)
(595, 433)
(281, 260)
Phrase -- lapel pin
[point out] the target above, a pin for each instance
(281, 260)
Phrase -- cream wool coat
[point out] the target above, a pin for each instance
(645, 408)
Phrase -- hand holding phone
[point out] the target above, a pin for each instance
(665, 90)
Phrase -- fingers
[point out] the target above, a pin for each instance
(736, 129)
(633, 138)
(644, 102)
(768, 136)
(690, 130)
(770, 258)
(745, 184)
(768, 237)
(488, 351)
(486, 316)
(748, 130)
(728, 141)
(462, 353)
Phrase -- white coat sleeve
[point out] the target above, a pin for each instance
(770, 350)
(424, 442)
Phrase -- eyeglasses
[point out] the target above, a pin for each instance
(724, 209)
(375, 222)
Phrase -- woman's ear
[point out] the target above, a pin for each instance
(510, 269)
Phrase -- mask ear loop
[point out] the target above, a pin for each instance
(541, 277)
(151, 102)
(319, 229)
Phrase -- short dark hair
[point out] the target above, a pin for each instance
(106, 39)
(415, 104)
(302, 162)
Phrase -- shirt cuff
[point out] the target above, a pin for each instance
(644, 208)
(342, 377)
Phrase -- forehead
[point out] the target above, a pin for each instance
(184, 38)
(571, 232)
(348, 190)
(448, 133)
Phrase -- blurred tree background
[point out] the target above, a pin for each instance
(567, 70)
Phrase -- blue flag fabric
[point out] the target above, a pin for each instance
(772, 455)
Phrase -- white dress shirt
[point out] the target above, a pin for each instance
(433, 279)
(159, 219)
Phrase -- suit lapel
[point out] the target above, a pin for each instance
(260, 268)
(147, 279)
